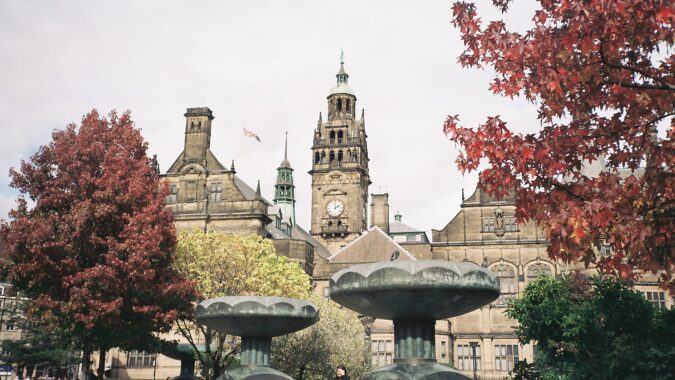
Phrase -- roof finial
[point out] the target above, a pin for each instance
(320, 116)
(232, 167)
(285, 163)
(258, 195)
(286, 147)
(342, 76)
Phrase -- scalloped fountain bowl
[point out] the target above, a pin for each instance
(414, 294)
(256, 320)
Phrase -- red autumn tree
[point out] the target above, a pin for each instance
(93, 248)
(602, 76)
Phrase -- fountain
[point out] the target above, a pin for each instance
(414, 294)
(256, 320)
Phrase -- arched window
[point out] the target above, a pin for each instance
(331, 156)
(348, 105)
(506, 275)
(323, 157)
(332, 137)
(317, 157)
(339, 105)
(339, 155)
(339, 136)
(538, 269)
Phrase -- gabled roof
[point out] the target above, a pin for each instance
(374, 245)
(212, 163)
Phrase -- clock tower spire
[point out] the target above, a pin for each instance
(340, 176)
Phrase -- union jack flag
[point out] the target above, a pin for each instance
(248, 133)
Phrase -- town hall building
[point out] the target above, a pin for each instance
(346, 230)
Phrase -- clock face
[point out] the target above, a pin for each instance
(335, 208)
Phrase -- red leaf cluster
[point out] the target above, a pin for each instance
(602, 76)
(95, 250)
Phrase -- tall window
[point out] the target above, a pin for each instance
(339, 135)
(191, 191)
(538, 269)
(506, 356)
(488, 224)
(216, 191)
(141, 359)
(383, 352)
(339, 105)
(444, 352)
(465, 357)
(173, 195)
(506, 275)
(658, 299)
(510, 224)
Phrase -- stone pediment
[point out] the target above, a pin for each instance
(192, 168)
(373, 246)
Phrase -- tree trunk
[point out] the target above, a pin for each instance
(86, 361)
(101, 363)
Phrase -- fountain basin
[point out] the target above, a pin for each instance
(424, 289)
(256, 316)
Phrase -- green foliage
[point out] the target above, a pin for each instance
(38, 345)
(593, 330)
(231, 265)
(313, 353)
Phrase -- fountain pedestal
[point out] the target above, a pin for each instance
(256, 320)
(414, 294)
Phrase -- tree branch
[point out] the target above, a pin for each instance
(664, 85)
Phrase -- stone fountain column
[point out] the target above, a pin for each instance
(256, 320)
(414, 294)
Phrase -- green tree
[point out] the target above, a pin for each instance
(38, 345)
(231, 265)
(313, 353)
(597, 329)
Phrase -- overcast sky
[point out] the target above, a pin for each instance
(263, 65)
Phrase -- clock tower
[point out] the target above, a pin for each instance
(339, 172)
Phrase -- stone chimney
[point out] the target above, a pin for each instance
(379, 211)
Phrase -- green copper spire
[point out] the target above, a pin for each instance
(284, 190)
